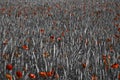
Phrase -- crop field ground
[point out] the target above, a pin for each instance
(59, 39)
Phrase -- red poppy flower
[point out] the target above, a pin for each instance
(49, 74)
(25, 47)
(19, 74)
(52, 37)
(9, 66)
(33, 76)
(58, 38)
(42, 31)
(43, 74)
(115, 66)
